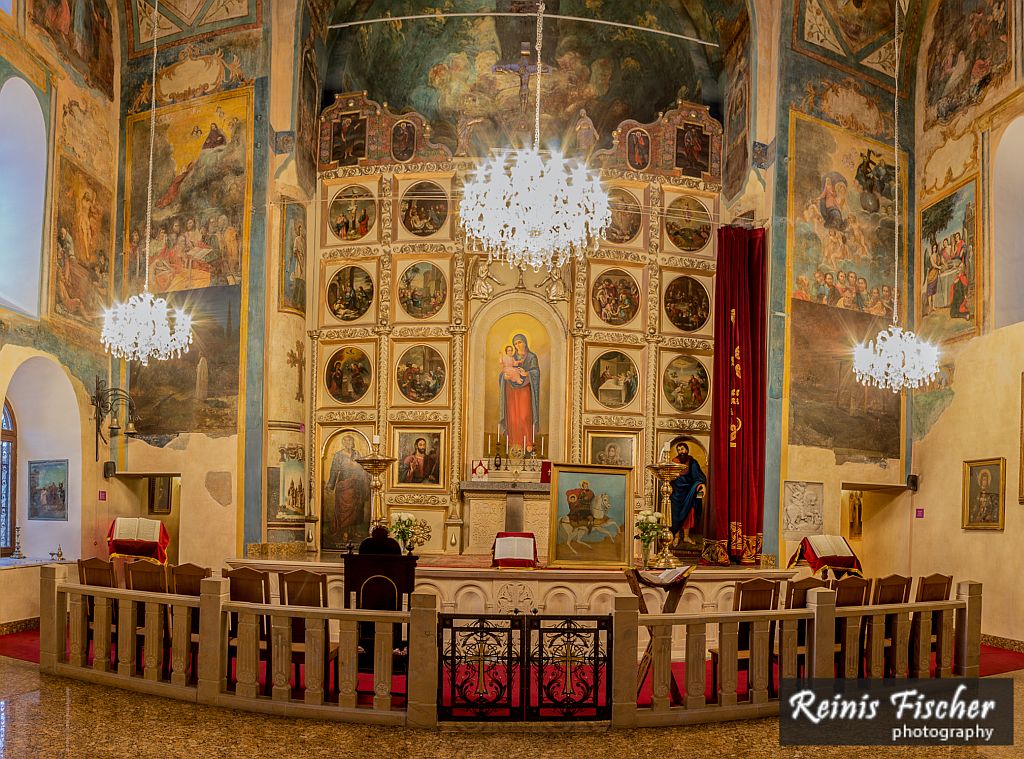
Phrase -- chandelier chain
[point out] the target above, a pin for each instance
(152, 142)
(540, 69)
(896, 178)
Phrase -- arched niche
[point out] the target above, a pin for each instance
(49, 429)
(1008, 226)
(493, 328)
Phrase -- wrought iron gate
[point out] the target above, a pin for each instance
(516, 667)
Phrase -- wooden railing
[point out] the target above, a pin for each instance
(66, 649)
(847, 642)
(869, 641)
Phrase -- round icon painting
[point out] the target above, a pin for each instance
(685, 384)
(422, 290)
(626, 219)
(424, 209)
(348, 374)
(688, 223)
(615, 297)
(614, 379)
(687, 304)
(350, 293)
(420, 374)
(352, 213)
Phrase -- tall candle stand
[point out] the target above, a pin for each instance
(666, 472)
(16, 553)
(375, 463)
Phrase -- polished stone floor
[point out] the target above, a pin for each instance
(43, 716)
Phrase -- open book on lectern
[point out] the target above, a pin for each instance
(137, 528)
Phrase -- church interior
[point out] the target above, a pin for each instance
(607, 363)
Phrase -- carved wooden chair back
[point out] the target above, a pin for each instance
(796, 592)
(757, 594)
(187, 579)
(894, 589)
(146, 576)
(98, 572)
(936, 587)
(851, 591)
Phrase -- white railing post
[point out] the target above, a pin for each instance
(154, 640)
(101, 633)
(213, 638)
(625, 636)
(53, 616)
(968, 629)
(383, 661)
(821, 633)
(181, 643)
(281, 657)
(421, 672)
(316, 630)
(348, 663)
(760, 660)
(79, 630)
(696, 664)
(728, 653)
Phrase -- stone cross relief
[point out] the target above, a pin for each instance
(297, 358)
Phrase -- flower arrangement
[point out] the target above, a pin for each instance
(408, 530)
(648, 526)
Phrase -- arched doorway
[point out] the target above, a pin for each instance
(1008, 226)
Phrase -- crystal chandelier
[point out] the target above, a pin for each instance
(139, 329)
(896, 358)
(531, 207)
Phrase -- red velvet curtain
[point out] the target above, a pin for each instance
(738, 399)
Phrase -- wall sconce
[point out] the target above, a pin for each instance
(105, 401)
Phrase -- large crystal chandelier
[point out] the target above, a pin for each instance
(896, 358)
(531, 207)
(140, 329)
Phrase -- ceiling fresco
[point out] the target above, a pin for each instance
(468, 69)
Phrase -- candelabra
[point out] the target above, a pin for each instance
(16, 553)
(666, 472)
(375, 463)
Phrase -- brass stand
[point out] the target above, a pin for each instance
(667, 473)
(375, 464)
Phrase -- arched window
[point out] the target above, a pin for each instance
(1008, 226)
(22, 195)
(8, 472)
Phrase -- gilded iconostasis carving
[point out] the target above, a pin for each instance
(435, 349)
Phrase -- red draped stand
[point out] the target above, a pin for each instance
(738, 400)
(152, 550)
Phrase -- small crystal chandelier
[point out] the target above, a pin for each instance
(896, 358)
(534, 208)
(138, 329)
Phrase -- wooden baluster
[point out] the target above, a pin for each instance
(759, 661)
(696, 657)
(154, 640)
(315, 661)
(661, 667)
(101, 634)
(61, 617)
(79, 628)
(921, 646)
(728, 645)
(181, 643)
(382, 664)
(876, 646)
(281, 657)
(126, 637)
(348, 663)
(944, 644)
(247, 663)
(788, 644)
(900, 644)
(851, 647)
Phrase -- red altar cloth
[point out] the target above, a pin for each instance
(509, 561)
(821, 556)
(153, 550)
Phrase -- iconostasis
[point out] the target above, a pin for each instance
(427, 346)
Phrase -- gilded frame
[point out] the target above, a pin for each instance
(287, 203)
(706, 281)
(330, 269)
(969, 521)
(558, 518)
(399, 348)
(640, 278)
(404, 183)
(710, 206)
(329, 191)
(665, 407)
(443, 463)
(594, 352)
(640, 192)
(369, 398)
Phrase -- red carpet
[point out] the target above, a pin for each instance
(21, 645)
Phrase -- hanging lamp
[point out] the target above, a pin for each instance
(140, 328)
(531, 207)
(896, 359)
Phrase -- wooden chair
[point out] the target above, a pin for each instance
(934, 587)
(249, 585)
(147, 577)
(757, 594)
(302, 588)
(382, 582)
(795, 598)
(186, 580)
(851, 590)
(99, 573)
(893, 589)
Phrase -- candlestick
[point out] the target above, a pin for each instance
(376, 464)
(376, 439)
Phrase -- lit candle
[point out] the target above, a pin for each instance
(376, 439)
(664, 452)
